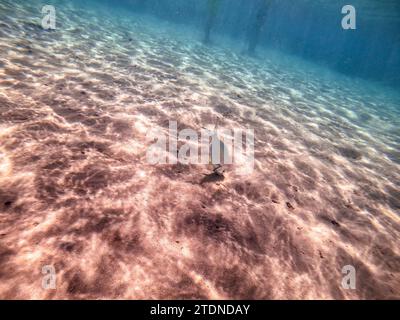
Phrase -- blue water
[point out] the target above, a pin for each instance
(308, 29)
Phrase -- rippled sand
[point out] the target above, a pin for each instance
(76, 191)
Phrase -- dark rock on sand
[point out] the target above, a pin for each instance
(289, 205)
(335, 223)
(8, 204)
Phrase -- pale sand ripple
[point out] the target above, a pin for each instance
(76, 191)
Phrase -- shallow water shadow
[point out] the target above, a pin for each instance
(212, 178)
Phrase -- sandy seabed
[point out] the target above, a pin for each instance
(77, 193)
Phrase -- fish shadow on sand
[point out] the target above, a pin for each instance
(212, 178)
